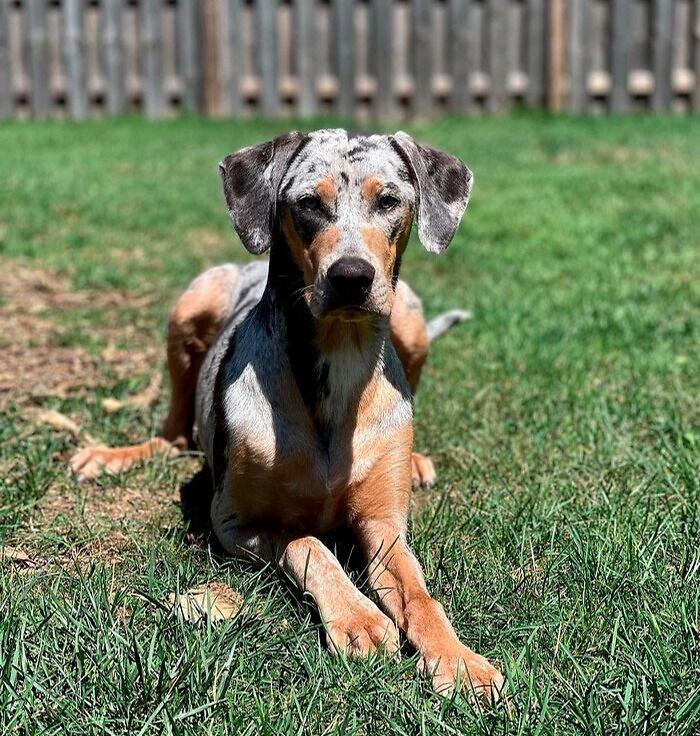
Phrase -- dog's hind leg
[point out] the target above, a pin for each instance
(194, 322)
(411, 337)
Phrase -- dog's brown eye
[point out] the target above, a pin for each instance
(388, 202)
(309, 202)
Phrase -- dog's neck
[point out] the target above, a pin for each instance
(332, 360)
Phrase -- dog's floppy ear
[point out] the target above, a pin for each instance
(442, 183)
(251, 178)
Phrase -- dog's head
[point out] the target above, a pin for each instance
(344, 206)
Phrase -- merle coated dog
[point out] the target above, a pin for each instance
(298, 378)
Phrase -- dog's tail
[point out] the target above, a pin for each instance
(446, 321)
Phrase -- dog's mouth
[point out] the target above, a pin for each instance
(347, 312)
(352, 313)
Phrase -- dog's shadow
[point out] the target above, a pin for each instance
(196, 495)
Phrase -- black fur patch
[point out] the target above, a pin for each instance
(220, 441)
(309, 223)
(287, 283)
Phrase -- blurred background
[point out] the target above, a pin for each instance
(384, 59)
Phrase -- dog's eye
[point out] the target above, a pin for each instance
(387, 202)
(309, 202)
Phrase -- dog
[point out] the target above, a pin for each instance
(298, 377)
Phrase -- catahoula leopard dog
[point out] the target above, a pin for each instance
(298, 378)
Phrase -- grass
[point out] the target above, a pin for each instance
(564, 419)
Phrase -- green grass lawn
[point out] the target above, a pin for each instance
(563, 535)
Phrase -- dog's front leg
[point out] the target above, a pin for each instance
(396, 577)
(354, 625)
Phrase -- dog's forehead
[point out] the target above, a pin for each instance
(346, 159)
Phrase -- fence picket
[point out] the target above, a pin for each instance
(267, 56)
(498, 94)
(38, 60)
(421, 49)
(535, 51)
(6, 105)
(382, 56)
(113, 56)
(304, 56)
(75, 58)
(188, 38)
(578, 54)
(151, 48)
(459, 27)
(662, 28)
(619, 39)
(695, 101)
(345, 57)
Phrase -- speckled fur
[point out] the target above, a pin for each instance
(303, 402)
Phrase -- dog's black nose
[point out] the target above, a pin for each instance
(351, 278)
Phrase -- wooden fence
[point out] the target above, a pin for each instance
(362, 58)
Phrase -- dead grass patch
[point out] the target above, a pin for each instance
(100, 520)
(36, 364)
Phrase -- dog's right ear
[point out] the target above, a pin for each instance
(251, 178)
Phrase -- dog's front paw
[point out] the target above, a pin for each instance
(93, 461)
(362, 630)
(458, 665)
(422, 470)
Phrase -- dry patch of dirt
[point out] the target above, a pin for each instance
(35, 362)
(97, 520)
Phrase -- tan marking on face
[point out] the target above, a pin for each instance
(326, 189)
(309, 258)
(380, 246)
(371, 187)
(323, 245)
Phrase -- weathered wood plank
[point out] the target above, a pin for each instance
(557, 53)
(459, 32)
(536, 52)
(210, 19)
(152, 51)
(6, 102)
(696, 58)
(619, 50)
(188, 38)
(422, 46)
(381, 38)
(113, 52)
(38, 58)
(267, 57)
(75, 58)
(662, 51)
(304, 57)
(578, 54)
(498, 98)
(345, 56)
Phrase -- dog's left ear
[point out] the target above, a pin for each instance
(251, 178)
(442, 183)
